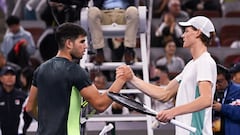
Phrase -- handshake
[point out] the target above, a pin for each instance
(124, 72)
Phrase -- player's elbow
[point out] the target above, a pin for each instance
(101, 108)
(164, 97)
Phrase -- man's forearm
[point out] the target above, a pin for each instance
(33, 113)
(154, 91)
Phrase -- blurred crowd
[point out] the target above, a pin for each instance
(24, 48)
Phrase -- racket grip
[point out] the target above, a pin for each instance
(106, 129)
(183, 125)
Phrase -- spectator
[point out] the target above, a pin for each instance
(235, 70)
(26, 79)
(223, 78)
(174, 7)
(113, 11)
(12, 100)
(162, 73)
(193, 5)
(169, 29)
(100, 82)
(62, 13)
(174, 63)
(229, 108)
(15, 36)
(209, 5)
(5, 62)
(159, 6)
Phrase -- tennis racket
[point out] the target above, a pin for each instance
(142, 108)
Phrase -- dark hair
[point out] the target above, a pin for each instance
(170, 39)
(68, 31)
(12, 20)
(27, 72)
(206, 40)
(100, 74)
(163, 68)
(224, 71)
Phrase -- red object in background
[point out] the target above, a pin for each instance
(18, 45)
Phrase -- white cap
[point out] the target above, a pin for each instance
(200, 22)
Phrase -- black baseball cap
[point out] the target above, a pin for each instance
(235, 68)
(7, 69)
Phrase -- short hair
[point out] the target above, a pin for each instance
(206, 40)
(68, 31)
(163, 68)
(224, 71)
(165, 42)
(12, 20)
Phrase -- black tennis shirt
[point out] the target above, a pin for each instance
(59, 81)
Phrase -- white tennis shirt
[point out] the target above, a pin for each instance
(201, 69)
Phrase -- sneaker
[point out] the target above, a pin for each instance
(99, 57)
(129, 56)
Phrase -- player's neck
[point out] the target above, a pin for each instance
(64, 54)
(198, 50)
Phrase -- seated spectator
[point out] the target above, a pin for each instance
(106, 12)
(12, 100)
(100, 82)
(162, 73)
(19, 54)
(26, 79)
(169, 28)
(193, 5)
(159, 7)
(62, 12)
(223, 79)
(229, 108)
(174, 7)
(174, 63)
(16, 35)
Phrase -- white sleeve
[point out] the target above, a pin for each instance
(205, 71)
(178, 77)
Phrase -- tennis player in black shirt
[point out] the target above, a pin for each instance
(54, 98)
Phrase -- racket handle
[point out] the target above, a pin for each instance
(183, 125)
(106, 129)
